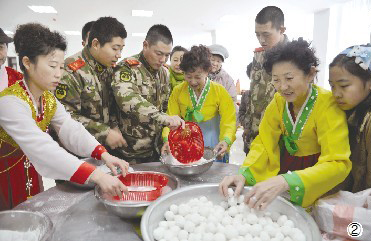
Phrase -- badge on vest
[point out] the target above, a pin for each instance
(125, 76)
(61, 91)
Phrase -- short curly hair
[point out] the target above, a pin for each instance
(197, 57)
(33, 39)
(297, 52)
(349, 63)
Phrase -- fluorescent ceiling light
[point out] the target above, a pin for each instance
(138, 34)
(72, 32)
(8, 32)
(43, 9)
(141, 13)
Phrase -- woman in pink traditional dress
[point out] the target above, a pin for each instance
(26, 110)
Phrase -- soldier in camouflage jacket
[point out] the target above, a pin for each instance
(141, 89)
(269, 29)
(85, 86)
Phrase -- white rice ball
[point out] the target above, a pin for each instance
(169, 215)
(262, 221)
(211, 227)
(224, 204)
(282, 220)
(287, 239)
(232, 201)
(205, 211)
(159, 233)
(264, 236)
(230, 192)
(219, 237)
(219, 209)
(279, 235)
(241, 198)
(203, 199)
(233, 211)
(179, 220)
(227, 220)
(297, 235)
(251, 218)
(174, 208)
(275, 216)
(182, 235)
(286, 230)
(175, 230)
(163, 224)
(184, 209)
(248, 236)
(207, 237)
(256, 229)
(169, 235)
(289, 223)
(230, 232)
(195, 237)
(189, 226)
(270, 229)
(200, 229)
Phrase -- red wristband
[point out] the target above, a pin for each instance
(98, 151)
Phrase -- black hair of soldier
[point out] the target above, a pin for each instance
(85, 30)
(159, 32)
(297, 52)
(271, 14)
(105, 29)
(197, 57)
(349, 63)
(33, 40)
(178, 49)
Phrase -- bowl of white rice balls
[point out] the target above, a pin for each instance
(190, 169)
(199, 212)
(18, 225)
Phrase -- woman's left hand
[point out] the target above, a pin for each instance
(263, 193)
(220, 149)
(112, 162)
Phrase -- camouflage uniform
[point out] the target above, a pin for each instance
(141, 95)
(260, 94)
(84, 91)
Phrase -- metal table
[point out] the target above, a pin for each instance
(77, 215)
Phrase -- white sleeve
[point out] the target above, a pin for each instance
(49, 159)
(72, 133)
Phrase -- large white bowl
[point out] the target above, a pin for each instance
(155, 212)
(26, 221)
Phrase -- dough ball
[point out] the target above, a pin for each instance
(159, 233)
(219, 237)
(227, 220)
(251, 218)
(233, 211)
(230, 232)
(224, 205)
(169, 216)
(189, 226)
(183, 235)
(230, 192)
(174, 208)
(282, 220)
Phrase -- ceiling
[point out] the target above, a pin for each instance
(184, 18)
